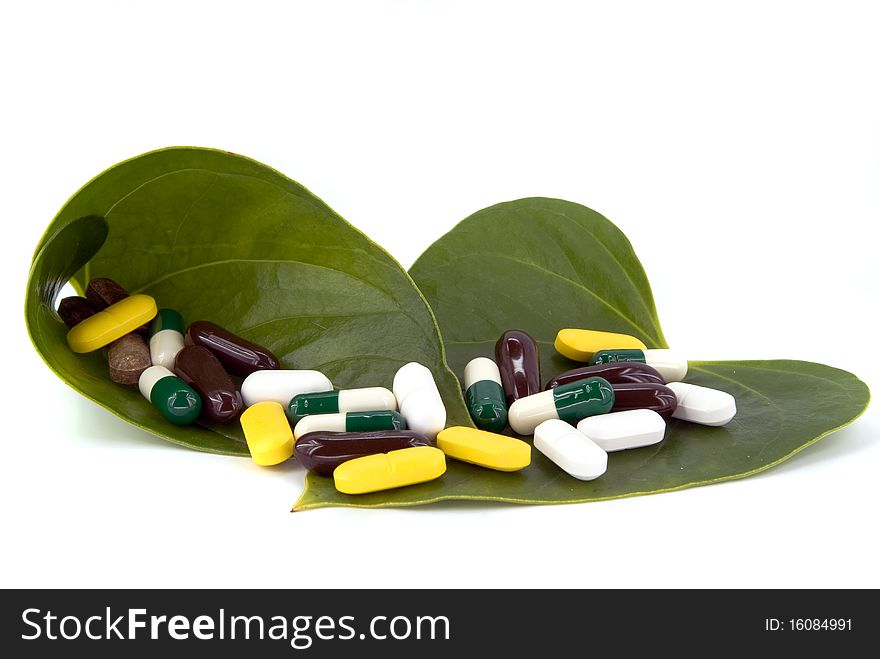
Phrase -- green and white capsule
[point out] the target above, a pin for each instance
(347, 400)
(670, 364)
(174, 398)
(568, 402)
(349, 422)
(166, 338)
(485, 395)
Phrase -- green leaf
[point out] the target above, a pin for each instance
(545, 264)
(222, 237)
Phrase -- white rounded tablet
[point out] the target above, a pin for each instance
(409, 378)
(671, 365)
(281, 385)
(479, 369)
(571, 450)
(697, 404)
(424, 411)
(624, 430)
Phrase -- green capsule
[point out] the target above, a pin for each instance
(347, 400)
(167, 319)
(349, 422)
(177, 401)
(611, 356)
(485, 395)
(583, 398)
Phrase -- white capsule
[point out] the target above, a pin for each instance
(366, 399)
(671, 365)
(479, 369)
(527, 413)
(624, 430)
(571, 450)
(419, 399)
(164, 346)
(697, 404)
(281, 385)
(334, 422)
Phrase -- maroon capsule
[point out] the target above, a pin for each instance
(200, 369)
(644, 396)
(75, 309)
(615, 373)
(239, 356)
(322, 452)
(520, 365)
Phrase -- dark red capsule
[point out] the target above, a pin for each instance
(238, 356)
(75, 309)
(644, 396)
(520, 365)
(200, 369)
(322, 452)
(615, 373)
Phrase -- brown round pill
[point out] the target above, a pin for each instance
(128, 358)
(75, 309)
(103, 291)
(199, 368)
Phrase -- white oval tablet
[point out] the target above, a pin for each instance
(618, 431)
(424, 411)
(282, 385)
(333, 422)
(671, 365)
(697, 404)
(571, 450)
(409, 378)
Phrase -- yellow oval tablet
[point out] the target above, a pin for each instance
(385, 471)
(487, 449)
(580, 344)
(268, 434)
(113, 323)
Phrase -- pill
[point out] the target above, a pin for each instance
(166, 337)
(671, 365)
(112, 323)
(569, 402)
(385, 471)
(419, 400)
(519, 363)
(350, 422)
(709, 407)
(267, 433)
(200, 369)
(75, 309)
(644, 395)
(571, 450)
(239, 356)
(103, 292)
(624, 430)
(581, 344)
(484, 394)
(175, 399)
(282, 385)
(483, 448)
(614, 372)
(128, 357)
(322, 452)
(347, 400)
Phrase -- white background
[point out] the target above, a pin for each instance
(738, 148)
